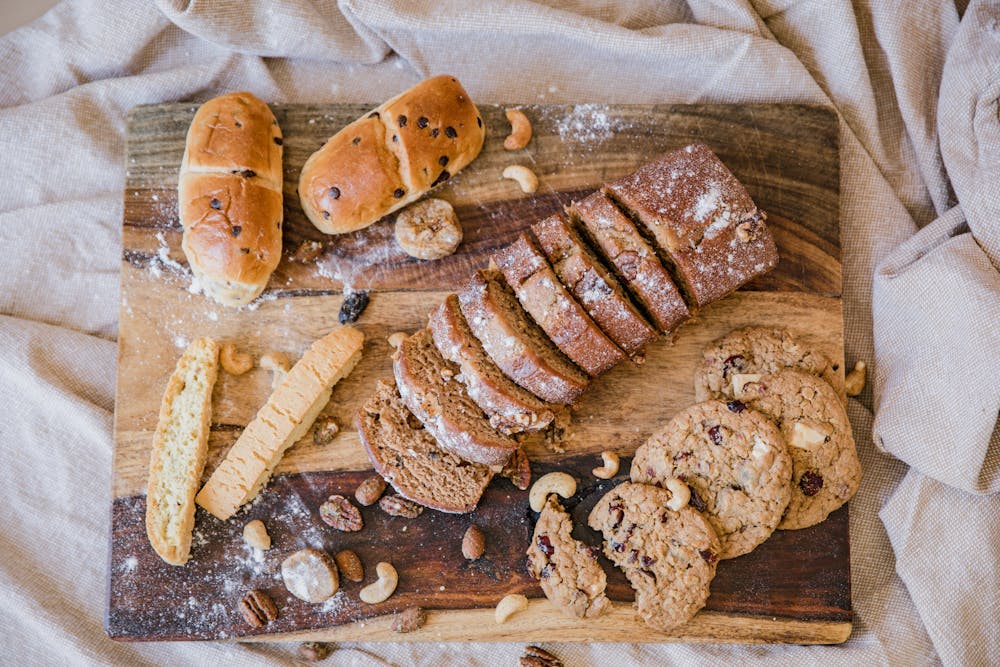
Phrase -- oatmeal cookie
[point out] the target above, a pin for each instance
(734, 461)
(669, 557)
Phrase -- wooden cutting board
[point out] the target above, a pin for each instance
(794, 588)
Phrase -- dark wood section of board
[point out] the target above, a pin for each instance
(795, 573)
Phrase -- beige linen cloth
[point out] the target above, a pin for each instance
(916, 89)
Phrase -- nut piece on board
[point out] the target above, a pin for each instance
(473, 543)
(255, 535)
(258, 608)
(680, 494)
(370, 490)
(233, 361)
(855, 380)
(428, 229)
(308, 251)
(518, 469)
(537, 657)
(314, 651)
(383, 587)
(396, 339)
(310, 575)
(520, 130)
(524, 177)
(324, 431)
(338, 512)
(554, 482)
(610, 467)
(350, 565)
(508, 606)
(399, 506)
(408, 620)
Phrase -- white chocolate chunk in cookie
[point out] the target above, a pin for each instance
(806, 437)
(762, 453)
(741, 379)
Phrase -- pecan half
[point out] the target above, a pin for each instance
(400, 506)
(258, 608)
(518, 469)
(537, 657)
(314, 651)
(339, 513)
(325, 431)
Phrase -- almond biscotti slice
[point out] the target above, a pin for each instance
(567, 569)
(404, 453)
(512, 409)
(285, 417)
(180, 445)
(554, 309)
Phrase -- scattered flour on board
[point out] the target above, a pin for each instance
(130, 564)
(587, 123)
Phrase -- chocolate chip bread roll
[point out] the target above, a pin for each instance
(392, 156)
(229, 197)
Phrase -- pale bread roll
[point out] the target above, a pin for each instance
(177, 456)
(229, 197)
(392, 156)
(286, 416)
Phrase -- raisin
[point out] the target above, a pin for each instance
(443, 160)
(354, 304)
(335, 192)
(647, 561)
(245, 251)
(442, 177)
(546, 571)
(736, 361)
(395, 139)
(326, 215)
(399, 192)
(545, 545)
(373, 114)
(450, 132)
(215, 203)
(422, 122)
(278, 140)
(715, 435)
(356, 141)
(709, 555)
(435, 132)
(697, 502)
(680, 457)
(479, 121)
(810, 483)
(401, 120)
(633, 555)
(237, 229)
(617, 511)
(736, 406)
(619, 547)
(248, 173)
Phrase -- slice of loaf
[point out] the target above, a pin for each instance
(703, 220)
(511, 408)
(515, 343)
(554, 309)
(408, 457)
(286, 416)
(597, 290)
(635, 262)
(429, 386)
(180, 445)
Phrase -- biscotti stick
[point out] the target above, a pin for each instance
(285, 417)
(180, 445)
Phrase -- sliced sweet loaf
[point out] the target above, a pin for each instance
(597, 290)
(554, 309)
(515, 343)
(407, 456)
(703, 220)
(567, 569)
(634, 260)
(511, 408)
(430, 388)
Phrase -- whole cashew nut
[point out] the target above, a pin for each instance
(554, 482)
(524, 177)
(610, 467)
(680, 494)
(233, 361)
(520, 130)
(277, 363)
(383, 587)
(508, 606)
(855, 380)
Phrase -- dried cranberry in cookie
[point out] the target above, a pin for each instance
(669, 557)
(703, 220)
(568, 570)
(736, 464)
(825, 467)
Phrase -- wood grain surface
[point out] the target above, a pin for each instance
(793, 588)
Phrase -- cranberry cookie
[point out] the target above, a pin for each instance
(756, 351)
(825, 467)
(567, 569)
(734, 461)
(669, 557)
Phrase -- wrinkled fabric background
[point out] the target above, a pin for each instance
(917, 92)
